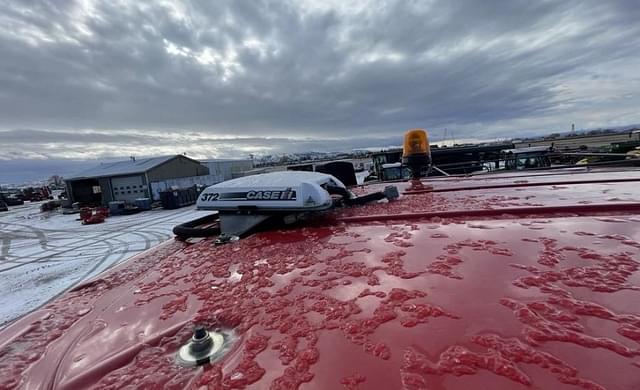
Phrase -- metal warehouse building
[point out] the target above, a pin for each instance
(129, 180)
(227, 169)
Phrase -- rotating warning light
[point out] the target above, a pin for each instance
(416, 143)
(416, 153)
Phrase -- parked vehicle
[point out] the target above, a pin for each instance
(13, 200)
(37, 194)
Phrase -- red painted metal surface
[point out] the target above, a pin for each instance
(364, 298)
(90, 216)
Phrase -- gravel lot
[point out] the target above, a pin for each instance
(44, 254)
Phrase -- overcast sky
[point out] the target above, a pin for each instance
(98, 79)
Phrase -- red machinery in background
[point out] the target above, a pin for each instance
(90, 216)
(36, 194)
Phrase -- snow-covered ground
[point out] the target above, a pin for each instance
(43, 254)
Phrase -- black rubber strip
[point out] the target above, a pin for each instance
(355, 201)
(189, 229)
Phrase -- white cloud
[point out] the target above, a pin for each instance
(238, 69)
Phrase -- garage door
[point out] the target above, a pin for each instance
(129, 188)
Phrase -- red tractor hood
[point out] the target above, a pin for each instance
(500, 282)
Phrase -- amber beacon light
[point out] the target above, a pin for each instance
(416, 153)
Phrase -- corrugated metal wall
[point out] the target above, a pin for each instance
(176, 168)
(219, 171)
(228, 169)
(105, 186)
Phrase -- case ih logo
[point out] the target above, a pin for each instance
(287, 194)
(271, 195)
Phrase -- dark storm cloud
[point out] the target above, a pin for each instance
(285, 69)
(19, 136)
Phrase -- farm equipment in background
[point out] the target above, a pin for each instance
(90, 216)
(11, 199)
(50, 205)
(36, 194)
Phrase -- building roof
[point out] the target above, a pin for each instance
(119, 168)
